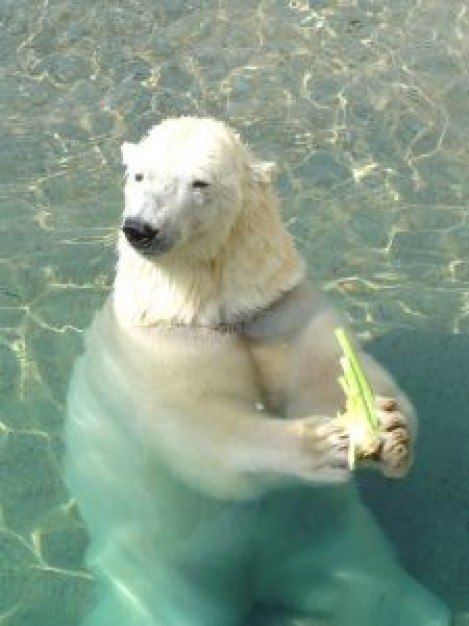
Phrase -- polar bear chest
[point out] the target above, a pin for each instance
(198, 363)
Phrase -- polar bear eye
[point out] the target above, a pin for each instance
(138, 177)
(199, 184)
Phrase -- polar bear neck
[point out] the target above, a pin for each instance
(255, 266)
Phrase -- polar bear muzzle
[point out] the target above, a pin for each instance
(144, 238)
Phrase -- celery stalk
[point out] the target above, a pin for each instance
(360, 413)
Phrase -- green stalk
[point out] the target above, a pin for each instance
(359, 395)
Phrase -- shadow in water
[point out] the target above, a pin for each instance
(427, 514)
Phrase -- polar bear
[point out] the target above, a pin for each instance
(201, 444)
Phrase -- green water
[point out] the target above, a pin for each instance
(364, 105)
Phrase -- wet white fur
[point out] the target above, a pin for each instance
(229, 231)
(194, 453)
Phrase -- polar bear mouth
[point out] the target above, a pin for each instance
(145, 238)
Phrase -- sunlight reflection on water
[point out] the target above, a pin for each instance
(362, 103)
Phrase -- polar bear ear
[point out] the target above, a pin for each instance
(263, 171)
(129, 151)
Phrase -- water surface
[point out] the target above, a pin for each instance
(364, 105)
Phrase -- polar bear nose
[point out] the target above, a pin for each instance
(138, 233)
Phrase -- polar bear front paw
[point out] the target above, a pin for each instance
(324, 448)
(394, 452)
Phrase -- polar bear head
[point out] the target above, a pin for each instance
(202, 240)
(187, 183)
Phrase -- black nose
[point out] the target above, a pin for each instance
(138, 233)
